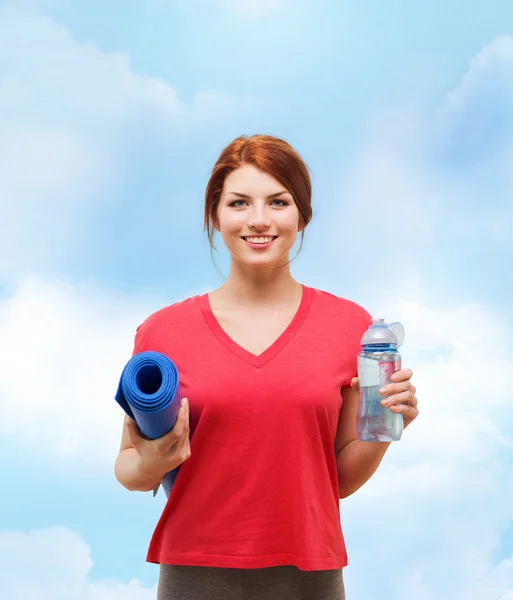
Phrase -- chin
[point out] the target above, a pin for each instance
(277, 257)
(262, 262)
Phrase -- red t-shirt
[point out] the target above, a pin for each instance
(261, 486)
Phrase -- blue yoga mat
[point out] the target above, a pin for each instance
(149, 393)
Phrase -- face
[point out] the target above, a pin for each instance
(257, 218)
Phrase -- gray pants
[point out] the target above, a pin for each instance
(273, 583)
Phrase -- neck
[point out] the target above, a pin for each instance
(249, 286)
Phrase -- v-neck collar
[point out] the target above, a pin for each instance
(275, 348)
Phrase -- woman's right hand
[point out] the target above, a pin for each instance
(164, 454)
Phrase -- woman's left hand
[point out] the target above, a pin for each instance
(400, 395)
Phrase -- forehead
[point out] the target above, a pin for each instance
(250, 180)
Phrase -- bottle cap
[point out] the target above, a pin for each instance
(381, 332)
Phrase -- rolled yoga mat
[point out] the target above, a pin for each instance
(149, 393)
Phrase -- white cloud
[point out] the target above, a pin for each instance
(49, 179)
(54, 564)
(475, 126)
(464, 376)
(391, 188)
(429, 179)
(46, 70)
(66, 110)
(441, 500)
(490, 71)
(63, 349)
(62, 352)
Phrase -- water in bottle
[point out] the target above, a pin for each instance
(377, 361)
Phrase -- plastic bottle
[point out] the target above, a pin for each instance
(377, 361)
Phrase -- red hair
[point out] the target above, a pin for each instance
(271, 155)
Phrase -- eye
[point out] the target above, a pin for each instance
(236, 204)
(281, 202)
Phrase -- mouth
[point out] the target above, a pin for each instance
(262, 241)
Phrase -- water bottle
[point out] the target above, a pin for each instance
(377, 361)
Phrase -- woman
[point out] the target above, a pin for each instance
(267, 370)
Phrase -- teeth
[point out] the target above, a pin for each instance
(259, 240)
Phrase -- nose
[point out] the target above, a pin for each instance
(259, 219)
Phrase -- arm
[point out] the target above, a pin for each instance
(141, 463)
(128, 468)
(356, 461)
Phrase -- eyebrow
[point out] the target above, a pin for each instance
(268, 197)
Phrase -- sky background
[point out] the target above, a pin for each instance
(111, 118)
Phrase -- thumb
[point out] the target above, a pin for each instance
(355, 383)
(179, 428)
(134, 433)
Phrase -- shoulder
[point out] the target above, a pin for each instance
(342, 323)
(340, 307)
(170, 316)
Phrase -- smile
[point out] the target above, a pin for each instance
(263, 241)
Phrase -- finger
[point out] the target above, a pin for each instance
(409, 412)
(176, 433)
(404, 397)
(183, 449)
(134, 433)
(397, 388)
(187, 420)
(183, 417)
(184, 443)
(181, 422)
(355, 383)
(402, 375)
(186, 431)
(179, 445)
(185, 404)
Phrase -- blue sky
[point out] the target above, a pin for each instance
(111, 118)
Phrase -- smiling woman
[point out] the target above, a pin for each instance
(266, 439)
(259, 170)
(266, 220)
